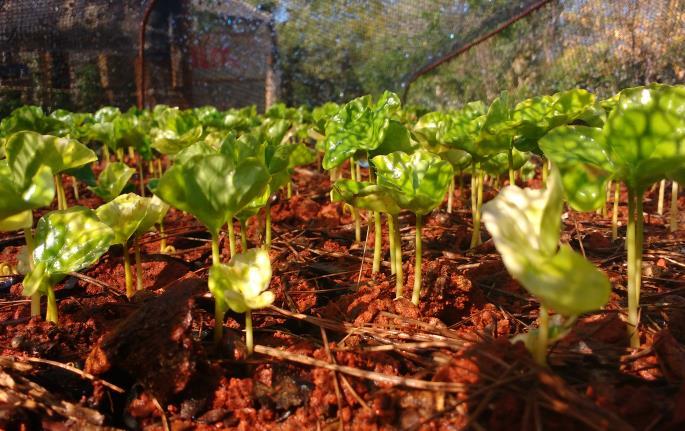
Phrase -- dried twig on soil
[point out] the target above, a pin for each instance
(18, 393)
(74, 370)
(364, 374)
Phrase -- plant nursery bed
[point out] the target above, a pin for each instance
(336, 350)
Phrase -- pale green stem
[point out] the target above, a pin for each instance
(475, 238)
(216, 256)
(249, 340)
(353, 173)
(128, 274)
(660, 202)
(105, 154)
(378, 242)
(450, 196)
(120, 154)
(545, 171)
(543, 335)
(141, 177)
(218, 322)
(359, 171)
(159, 168)
(231, 237)
(243, 236)
(218, 309)
(131, 153)
(51, 313)
(512, 178)
(61, 204)
(673, 219)
(607, 193)
(474, 188)
(378, 234)
(74, 186)
(631, 241)
(35, 298)
(639, 237)
(416, 294)
(391, 241)
(357, 224)
(162, 235)
(614, 214)
(267, 225)
(139, 264)
(151, 170)
(290, 189)
(399, 283)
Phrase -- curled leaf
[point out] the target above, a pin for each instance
(242, 284)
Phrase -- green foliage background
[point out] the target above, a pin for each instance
(336, 50)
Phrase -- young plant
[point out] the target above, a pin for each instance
(17, 200)
(66, 241)
(370, 196)
(525, 226)
(641, 142)
(241, 285)
(112, 180)
(430, 130)
(214, 189)
(361, 130)
(26, 150)
(418, 183)
(125, 214)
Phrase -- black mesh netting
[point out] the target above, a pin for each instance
(81, 54)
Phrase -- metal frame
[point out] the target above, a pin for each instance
(457, 50)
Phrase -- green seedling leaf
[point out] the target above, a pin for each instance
(171, 142)
(430, 127)
(359, 126)
(242, 284)
(156, 211)
(84, 174)
(124, 215)
(22, 220)
(645, 134)
(255, 205)
(213, 188)
(28, 150)
(112, 180)
(66, 241)
(35, 189)
(459, 159)
(525, 226)
(499, 163)
(417, 182)
(366, 195)
(199, 148)
(580, 154)
(300, 156)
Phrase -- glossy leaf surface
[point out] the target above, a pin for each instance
(213, 188)
(580, 154)
(66, 241)
(26, 151)
(242, 284)
(112, 180)
(525, 226)
(417, 182)
(366, 195)
(124, 214)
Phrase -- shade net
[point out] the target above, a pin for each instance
(80, 55)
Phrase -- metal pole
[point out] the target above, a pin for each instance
(141, 54)
(457, 51)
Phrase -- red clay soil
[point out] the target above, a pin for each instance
(347, 354)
